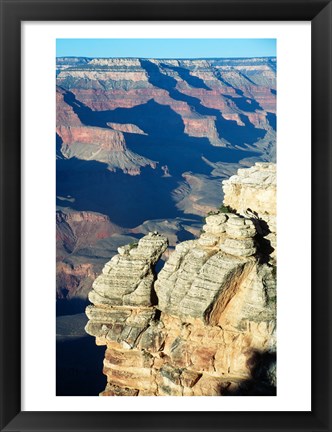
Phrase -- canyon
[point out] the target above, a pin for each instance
(131, 132)
(143, 145)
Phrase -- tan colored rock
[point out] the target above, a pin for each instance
(198, 273)
(128, 278)
(213, 329)
(215, 224)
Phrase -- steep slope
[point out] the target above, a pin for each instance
(77, 236)
(93, 143)
(206, 324)
(217, 99)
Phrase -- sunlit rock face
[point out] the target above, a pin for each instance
(206, 325)
(213, 97)
(144, 141)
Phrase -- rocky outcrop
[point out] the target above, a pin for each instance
(205, 326)
(253, 192)
(200, 277)
(128, 128)
(128, 278)
(199, 91)
(101, 139)
(253, 188)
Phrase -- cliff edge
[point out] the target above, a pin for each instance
(205, 325)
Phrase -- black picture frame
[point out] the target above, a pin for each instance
(13, 12)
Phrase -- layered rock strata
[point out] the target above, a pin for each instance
(205, 326)
(252, 192)
(242, 90)
(177, 127)
(105, 145)
(127, 279)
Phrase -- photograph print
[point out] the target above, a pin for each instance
(166, 251)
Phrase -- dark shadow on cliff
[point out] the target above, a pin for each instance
(58, 144)
(264, 247)
(71, 306)
(272, 119)
(79, 367)
(150, 116)
(185, 235)
(227, 129)
(242, 102)
(262, 381)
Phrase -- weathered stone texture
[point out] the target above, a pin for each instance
(128, 278)
(206, 325)
(253, 193)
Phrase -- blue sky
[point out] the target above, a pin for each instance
(166, 48)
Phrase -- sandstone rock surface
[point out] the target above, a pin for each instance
(205, 326)
(103, 144)
(253, 188)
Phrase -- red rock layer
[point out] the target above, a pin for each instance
(76, 231)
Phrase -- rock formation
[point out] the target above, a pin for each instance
(241, 90)
(133, 131)
(252, 192)
(206, 325)
(105, 145)
(128, 278)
